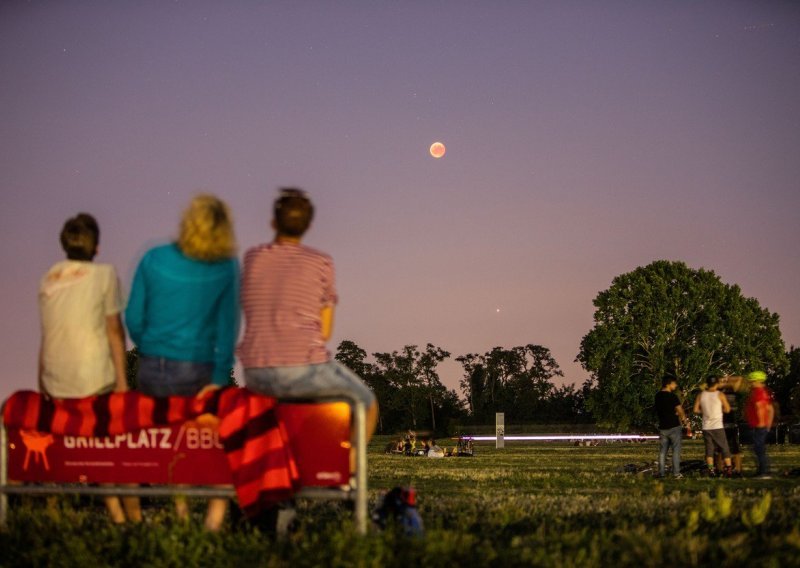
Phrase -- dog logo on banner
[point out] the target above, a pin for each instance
(36, 444)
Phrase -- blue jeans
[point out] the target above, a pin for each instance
(760, 449)
(670, 437)
(323, 380)
(159, 376)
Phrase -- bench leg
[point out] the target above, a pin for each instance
(361, 468)
(3, 474)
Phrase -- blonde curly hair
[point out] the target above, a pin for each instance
(206, 230)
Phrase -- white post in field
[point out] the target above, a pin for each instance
(500, 429)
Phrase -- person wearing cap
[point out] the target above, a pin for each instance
(711, 403)
(760, 413)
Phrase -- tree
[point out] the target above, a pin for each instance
(354, 358)
(418, 395)
(666, 319)
(426, 368)
(349, 354)
(516, 381)
(787, 387)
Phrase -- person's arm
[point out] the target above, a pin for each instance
(681, 415)
(684, 419)
(326, 320)
(40, 375)
(726, 407)
(227, 328)
(116, 340)
(134, 312)
(329, 299)
(765, 413)
(697, 405)
(732, 382)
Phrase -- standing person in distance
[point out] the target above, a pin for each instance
(712, 403)
(183, 313)
(670, 417)
(82, 352)
(730, 423)
(760, 414)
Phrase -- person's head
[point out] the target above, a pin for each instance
(293, 213)
(712, 381)
(757, 378)
(206, 230)
(80, 237)
(669, 383)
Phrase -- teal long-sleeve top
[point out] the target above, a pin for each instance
(185, 309)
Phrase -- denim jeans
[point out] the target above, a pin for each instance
(760, 449)
(331, 379)
(670, 437)
(159, 376)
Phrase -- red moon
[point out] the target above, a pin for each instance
(437, 150)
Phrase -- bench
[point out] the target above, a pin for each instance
(187, 459)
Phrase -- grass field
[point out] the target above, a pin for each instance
(549, 505)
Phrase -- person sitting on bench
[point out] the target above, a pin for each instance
(82, 352)
(288, 296)
(183, 313)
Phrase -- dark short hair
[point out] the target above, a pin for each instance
(293, 212)
(667, 380)
(711, 380)
(80, 237)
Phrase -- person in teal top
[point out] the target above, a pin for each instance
(183, 310)
(183, 314)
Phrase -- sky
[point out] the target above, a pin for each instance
(584, 139)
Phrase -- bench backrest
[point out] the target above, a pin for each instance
(190, 453)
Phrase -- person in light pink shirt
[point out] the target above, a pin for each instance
(288, 295)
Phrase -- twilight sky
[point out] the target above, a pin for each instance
(584, 139)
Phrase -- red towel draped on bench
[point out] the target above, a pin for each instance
(263, 469)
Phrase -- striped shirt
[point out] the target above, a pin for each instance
(284, 288)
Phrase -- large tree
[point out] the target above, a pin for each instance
(666, 319)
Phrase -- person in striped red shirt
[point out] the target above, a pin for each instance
(288, 295)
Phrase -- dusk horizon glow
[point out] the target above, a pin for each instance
(583, 139)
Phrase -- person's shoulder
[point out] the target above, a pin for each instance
(56, 267)
(255, 252)
(162, 250)
(257, 249)
(167, 252)
(103, 268)
(316, 254)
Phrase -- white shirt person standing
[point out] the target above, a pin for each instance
(711, 403)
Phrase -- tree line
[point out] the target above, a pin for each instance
(517, 381)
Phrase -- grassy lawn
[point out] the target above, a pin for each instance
(528, 504)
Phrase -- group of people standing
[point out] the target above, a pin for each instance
(720, 432)
(183, 315)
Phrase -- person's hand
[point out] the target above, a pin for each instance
(121, 387)
(207, 389)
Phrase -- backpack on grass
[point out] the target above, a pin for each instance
(398, 509)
